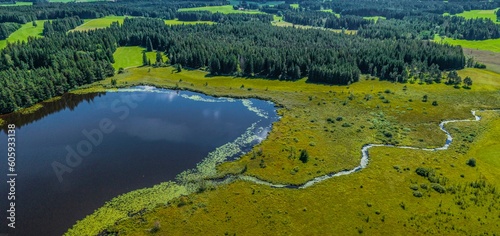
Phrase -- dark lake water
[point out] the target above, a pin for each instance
(116, 142)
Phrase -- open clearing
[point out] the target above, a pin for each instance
(17, 4)
(490, 59)
(488, 14)
(226, 9)
(309, 121)
(489, 44)
(100, 23)
(179, 22)
(24, 32)
(126, 57)
(282, 23)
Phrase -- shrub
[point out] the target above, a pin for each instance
(434, 103)
(471, 162)
(339, 118)
(414, 187)
(387, 91)
(438, 188)
(113, 82)
(424, 172)
(417, 194)
(120, 70)
(346, 125)
(304, 156)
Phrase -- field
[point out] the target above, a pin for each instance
(127, 57)
(490, 59)
(375, 18)
(488, 14)
(226, 9)
(489, 44)
(179, 22)
(17, 4)
(331, 11)
(24, 32)
(282, 23)
(377, 199)
(100, 23)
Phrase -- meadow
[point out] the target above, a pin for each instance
(22, 34)
(332, 123)
(488, 45)
(99, 23)
(226, 9)
(127, 57)
(17, 4)
(282, 23)
(487, 14)
(180, 22)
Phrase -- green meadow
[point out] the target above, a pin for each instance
(127, 57)
(17, 4)
(22, 34)
(488, 45)
(487, 14)
(100, 23)
(179, 22)
(226, 9)
(332, 123)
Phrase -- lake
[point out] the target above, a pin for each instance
(78, 152)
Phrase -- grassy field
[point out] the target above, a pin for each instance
(127, 57)
(490, 59)
(179, 22)
(17, 4)
(377, 199)
(488, 14)
(100, 23)
(331, 11)
(375, 18)
(488, 45)
(226, 9)
(294, 6)
(24, 32)
(282, 23)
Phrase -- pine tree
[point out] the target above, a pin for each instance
(144, 59)
(149, 45)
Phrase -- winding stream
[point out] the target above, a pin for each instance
(363, 163)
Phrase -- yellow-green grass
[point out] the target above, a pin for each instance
(226, 9)
(100, 23)
(331, 11)
(179, 22)
(288, 24)
(375, 18)
(369, 201)
(294, 6)
(22, 34)
(487, 14)
(17, 4)
(489, 44)
(127, 57)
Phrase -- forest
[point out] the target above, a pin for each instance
(240, 44)
(50, 66)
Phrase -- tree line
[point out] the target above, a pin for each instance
(8, 28)
(61, 25)
(425, 26)
(325, 19)
(49, 66)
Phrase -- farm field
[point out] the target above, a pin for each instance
(309, 105)
(24, 32)
(226, 9)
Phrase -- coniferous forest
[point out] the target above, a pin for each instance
(239, 44)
